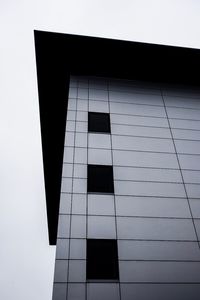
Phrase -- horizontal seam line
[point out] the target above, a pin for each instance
(137, 180)
(123, 195)
(129, 135)
(127, 216)
(139, 167)
(132, 150)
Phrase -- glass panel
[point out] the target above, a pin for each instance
(82, 105)
(99, 141)
(155, 229)
(158, 250)
(62, 249)
(81, 126)
(101, 205)
(99, 291)
(183, 113)
(83, 93)
(81, 140)
(138, 120)
(97, 94)
(140, 271)
(142, 159)
(70, 126)
(143, 144)
(65, 203)
(67, 170)
(77, 249)
(79, 185)
(157, 189)
(162, 291)
(152, 207)
(72, 92)
(61, 269)
(79, 204)
(78, 226)
(59, 291)
(69, 139)
(147, 174)
(101, 227)
(197, 226)
(135, 109)
(186, 134)
(63, 226)
(134, 98)
(66, 185)
(80, 171)
(77, 271)
(195, 207)
(141, 131)
(185, 124)
(188, 147)
(191, 176)
(76, 291)
(193, 190)
(68, 155)
(80, 155)
(99, 156)
(191, 162)
(100, 106)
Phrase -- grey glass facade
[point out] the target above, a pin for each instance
(154, 212)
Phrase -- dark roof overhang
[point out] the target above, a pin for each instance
(59, 55)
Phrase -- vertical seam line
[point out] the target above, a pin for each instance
(108, 87)
(183, 182)
(86, 285)
(70, 223)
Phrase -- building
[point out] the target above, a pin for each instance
(121, 143)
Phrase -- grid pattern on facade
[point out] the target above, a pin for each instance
(154, 148)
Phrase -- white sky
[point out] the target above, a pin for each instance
(26, 259)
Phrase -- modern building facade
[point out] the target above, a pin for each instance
(129, 210)
(153, 211)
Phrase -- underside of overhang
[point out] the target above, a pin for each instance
(59, 55)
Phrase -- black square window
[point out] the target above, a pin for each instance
(102, 259)
(100, 179)
(98, 122)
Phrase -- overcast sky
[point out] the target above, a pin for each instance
(26, 259)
